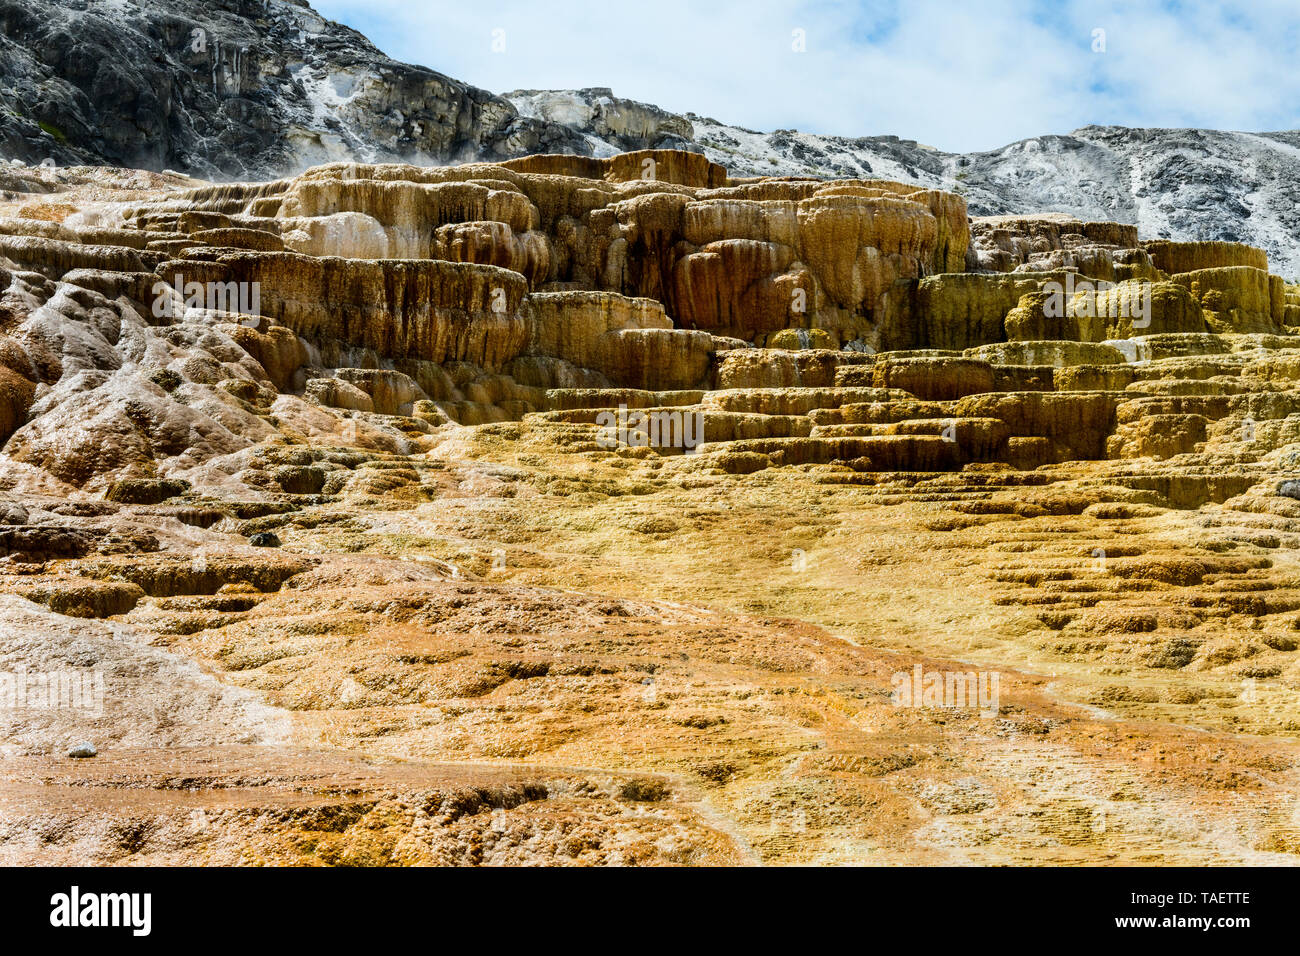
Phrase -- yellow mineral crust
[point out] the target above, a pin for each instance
(579, 511)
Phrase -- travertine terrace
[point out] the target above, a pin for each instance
(313, 471)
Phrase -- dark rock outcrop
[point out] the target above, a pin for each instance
(233, 89)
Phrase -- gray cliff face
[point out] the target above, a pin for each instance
(610, 124)
(254, 89)
(233, 89)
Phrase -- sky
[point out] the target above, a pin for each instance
(960, 75)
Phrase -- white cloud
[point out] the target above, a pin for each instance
(951, 73)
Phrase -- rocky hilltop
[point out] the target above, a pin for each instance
(232, 89)
(254, 89)
(1181, 184)
(374, 495)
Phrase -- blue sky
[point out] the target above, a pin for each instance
(957, 74)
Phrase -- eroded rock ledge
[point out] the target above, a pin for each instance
(1036, 441)
(855, 321)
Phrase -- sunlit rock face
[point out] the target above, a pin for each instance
(535, 439)
(188, 325)
(1209, 187)
(235, 89)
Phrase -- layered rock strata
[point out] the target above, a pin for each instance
(543, 286)
(458, 400)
